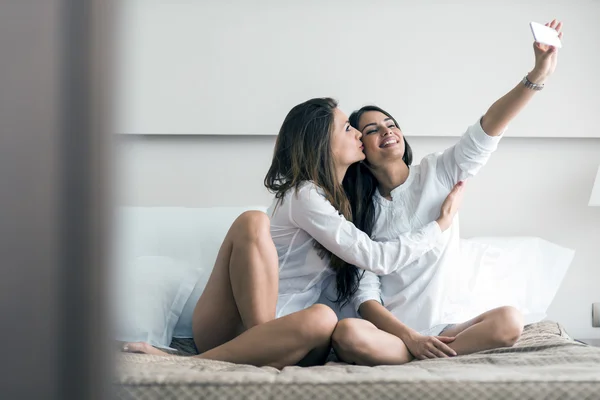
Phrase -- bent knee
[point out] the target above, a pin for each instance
(350, 336)
(346, 329)
(324, 317)
(320, 323)
(252, 224)
(509, 325)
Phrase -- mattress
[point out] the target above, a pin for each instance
(544, 364)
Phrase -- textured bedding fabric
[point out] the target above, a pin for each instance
(544, 364)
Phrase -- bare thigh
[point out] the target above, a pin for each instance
(500, 327)
(455, 330)
(216, 318)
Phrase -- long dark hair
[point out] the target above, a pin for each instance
(303, 153)
(360, 186)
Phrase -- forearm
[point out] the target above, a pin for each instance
(505, 109)
(383, 319)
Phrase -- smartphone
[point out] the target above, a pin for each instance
(544, 34)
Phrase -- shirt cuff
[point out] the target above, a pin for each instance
(482, 139)
(433, 232)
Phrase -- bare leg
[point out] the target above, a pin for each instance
(357, 341)
(280, 342)
(302, 336)
(241, 295)
(242, 289)
(500, 327)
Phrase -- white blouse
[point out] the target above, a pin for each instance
(418, 294)
(306, 216)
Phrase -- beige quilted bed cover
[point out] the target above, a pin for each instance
(545, 364)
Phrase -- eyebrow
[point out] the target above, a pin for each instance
(375, 123)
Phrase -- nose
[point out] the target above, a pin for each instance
(358, 134)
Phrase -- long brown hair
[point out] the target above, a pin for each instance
(303, 153)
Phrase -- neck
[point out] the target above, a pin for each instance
(340, 173)
(390, 176)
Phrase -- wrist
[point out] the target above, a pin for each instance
(442, 222)
(408, 336)
(537, 77)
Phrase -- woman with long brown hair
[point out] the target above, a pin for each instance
(258, 306)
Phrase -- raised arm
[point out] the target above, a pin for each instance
(475, 147)
(497, 118)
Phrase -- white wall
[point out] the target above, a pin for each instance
(537, 187)
(197, 66)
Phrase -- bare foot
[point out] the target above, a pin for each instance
(143, 347)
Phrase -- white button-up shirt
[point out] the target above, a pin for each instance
(306, 216)
(417, 294)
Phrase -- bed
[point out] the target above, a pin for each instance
(544, 364)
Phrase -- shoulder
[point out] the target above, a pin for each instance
(293, 198)
(429, 163)
(306, 191)
(431, 159)
(306, 197)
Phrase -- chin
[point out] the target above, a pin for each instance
(396, 155)
(400, 151)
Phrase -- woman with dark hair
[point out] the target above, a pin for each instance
(258, 306)
(406, 314)
(310, 215)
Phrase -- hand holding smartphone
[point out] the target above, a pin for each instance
(545, 35)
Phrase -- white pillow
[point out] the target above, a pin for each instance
(523, 272)
(183, 328)
(189, 237)
(215, 222)
(151, 294)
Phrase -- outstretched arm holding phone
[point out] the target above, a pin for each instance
(497, 118)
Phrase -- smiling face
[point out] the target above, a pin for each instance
(346, 146)
(381, 136)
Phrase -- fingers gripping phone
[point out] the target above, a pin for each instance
(544, 34)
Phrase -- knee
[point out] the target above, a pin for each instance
(319, 324)
(342, 338)
(349, 339)
(508, 326)
(252, 226)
